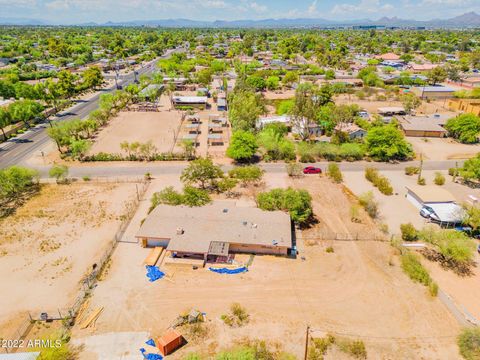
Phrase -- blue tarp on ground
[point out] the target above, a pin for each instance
(150, 356)
(229, 271)
(154, 273)
(150, 342)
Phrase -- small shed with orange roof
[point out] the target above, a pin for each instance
(169, 342)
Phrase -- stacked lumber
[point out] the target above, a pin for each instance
(91, 319)
(160, 261)
(152, 258)
(82, 310)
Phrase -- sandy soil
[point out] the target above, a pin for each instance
(280, 94)
(353, 291)
(372, 105)
(49, 244)
(158, 127)
(442, 148)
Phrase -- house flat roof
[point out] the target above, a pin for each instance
(190, 99)
(448, 212)
(220, 221)
(421, 124)
(435, 89)
(431, 194)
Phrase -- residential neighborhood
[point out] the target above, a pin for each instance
(240, 189)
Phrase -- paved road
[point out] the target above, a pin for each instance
(16, 151)
(126, 169)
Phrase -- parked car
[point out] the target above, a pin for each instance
(426, 212)
(312, 170)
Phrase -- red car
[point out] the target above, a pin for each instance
(312, 170)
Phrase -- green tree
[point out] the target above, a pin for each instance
(385, 143)
(5, 120)
(92, 77)
(410, 102)
(25, 111)
(202, 172)
(195, 197)
(471, 169)
(465, 128)
(272, 82)
(297, 202)
(244, 109)
(59, 172)
(66, 84)
(243, 146)
(437, 75)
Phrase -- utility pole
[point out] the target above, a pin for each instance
(307, 336)
(420, 169)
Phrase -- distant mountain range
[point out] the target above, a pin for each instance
(467, 20)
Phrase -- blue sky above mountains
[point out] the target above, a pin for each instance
(78, 11)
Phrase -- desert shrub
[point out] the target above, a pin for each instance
(319, 347)
(334, 173)
(379, 181)
(355, 214)
(412, 170)
(456, 249)
(439, 179)
(368, 202)
(330, 250)
(355, 348)
(412, 266)
(433, 289)
(294, 169)
(469, 343)
(409, 233)
(86, 178)
(453, 172)
(193, 196)
(238, 316)
(247, 174)
(192, 356)
(421, 181)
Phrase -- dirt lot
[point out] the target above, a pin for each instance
(442, 148)
(49, 244)
(372, 105)
(389, 205)
(359, 291)
(157, 127)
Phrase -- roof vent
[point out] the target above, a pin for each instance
(180, 231)
(254, 226)
(245, 223)
(274, 242)
(225, 210)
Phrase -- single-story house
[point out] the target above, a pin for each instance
(391, 111)
(441, 203)
(222, 104)
(389, 57)
(465, 105)
(473, 82)
(424, 126)
(151, 91)
(433, 92)
(215, 231)
(282, 119)
(193, 101)
(420, 68)
(353, 130)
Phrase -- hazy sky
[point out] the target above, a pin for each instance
(75, 11)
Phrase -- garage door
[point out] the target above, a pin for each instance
(157, 243)
(414, 201)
